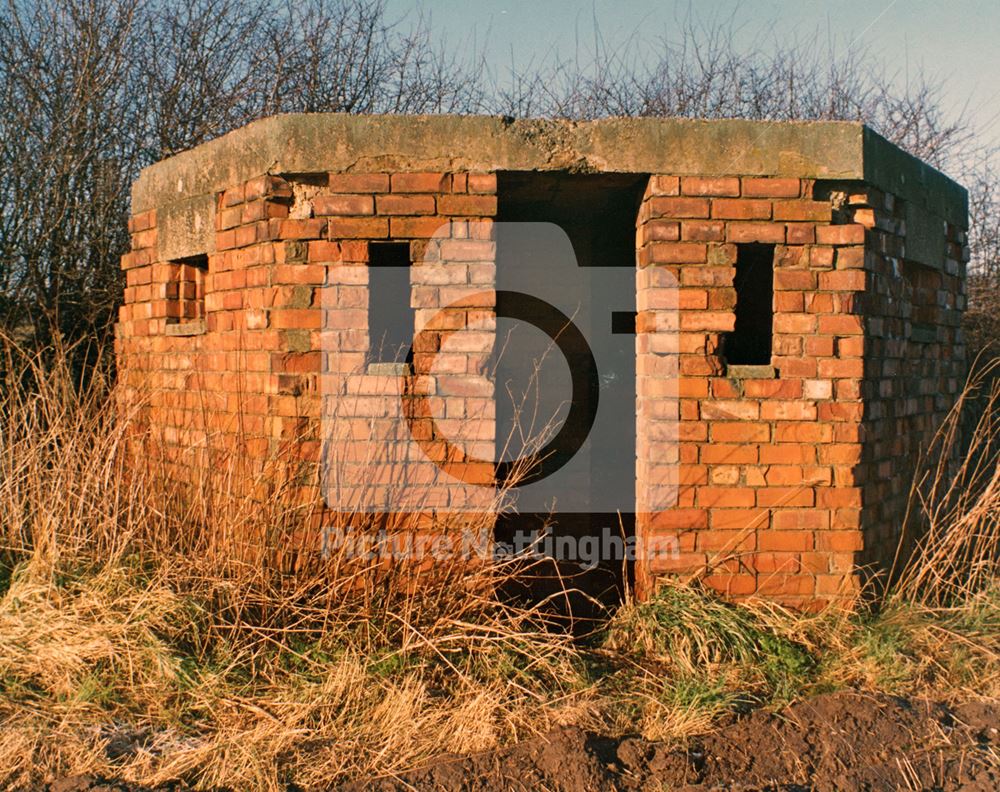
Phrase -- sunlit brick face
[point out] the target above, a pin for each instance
(793, 342)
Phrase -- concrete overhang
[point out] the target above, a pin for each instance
(320, 142)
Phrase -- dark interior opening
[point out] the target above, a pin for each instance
(390, 315)
(199, 261)
(598, 214)
(750, 341)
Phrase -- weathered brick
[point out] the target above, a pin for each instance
(679, 207)
(803, 211)
(407, 227)
(677, 253)
(714, 186)
(468, 205)
(840, 235)
(420, 182)
(358, 228)
(755, 232)
(703, 231)
(771, 187)
(728, 209)
(344, 204)
(359, 182)
(482, 183)
(405, 204)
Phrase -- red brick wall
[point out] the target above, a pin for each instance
(287, 283)
(230, 389)
(914, 356)
(394, 434)
(777, 486)
(768, 496)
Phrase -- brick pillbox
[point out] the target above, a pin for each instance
(819, 279)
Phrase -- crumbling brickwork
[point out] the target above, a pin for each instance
(914, 354)
(786, 477)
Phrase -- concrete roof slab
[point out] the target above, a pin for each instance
(318, 142)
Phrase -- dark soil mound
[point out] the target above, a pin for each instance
(841, 741)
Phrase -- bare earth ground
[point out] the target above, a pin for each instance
(837, 741)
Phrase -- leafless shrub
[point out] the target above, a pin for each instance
(982, 318)
(701, 71)
(65, 167)
(94, 90)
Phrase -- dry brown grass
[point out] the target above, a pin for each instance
(151, 634)
(168, 623)
(957, 495)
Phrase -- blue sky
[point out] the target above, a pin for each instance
(956, 41)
